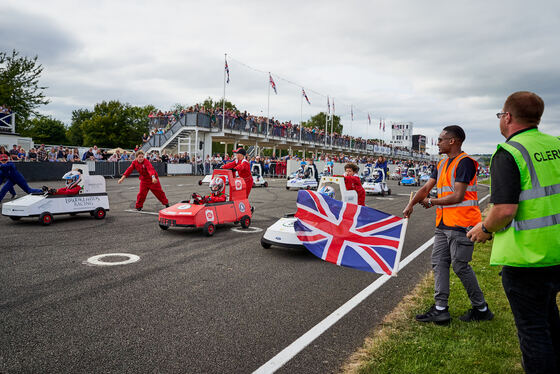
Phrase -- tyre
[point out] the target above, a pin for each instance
(14, 218)
(163, 227)
(389, 192)
(99, 213)
(209, 229)
(245, 222)
(399, 183)
(45, 218)
(265, 245)
(288, 188)
(266, 184)
(200, 182)
(382, 192)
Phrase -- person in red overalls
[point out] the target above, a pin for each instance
(148, 180)
(243, 168)
(353, 182)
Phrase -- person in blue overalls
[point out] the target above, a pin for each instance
(8, 171)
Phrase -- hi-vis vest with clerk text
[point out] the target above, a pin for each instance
(532, 239)
(465, 213)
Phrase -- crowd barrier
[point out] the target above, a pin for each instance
(51, 171)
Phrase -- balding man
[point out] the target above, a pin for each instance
(525, 218)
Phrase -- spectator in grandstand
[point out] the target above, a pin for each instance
(32, 155)
(21, 154)
(14, 153)
(115, 157)
(60, 155)
(52, 154)
(88, 155)
(42, 155)
(125, 156)
(145, 138)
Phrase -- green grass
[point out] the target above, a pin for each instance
(403, 345)
(484, 181)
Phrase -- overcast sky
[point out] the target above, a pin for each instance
(433, 63)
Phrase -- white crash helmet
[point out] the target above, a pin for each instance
(72, 178)
(328, 191)
(217, 185)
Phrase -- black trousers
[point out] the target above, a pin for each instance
(532, 297)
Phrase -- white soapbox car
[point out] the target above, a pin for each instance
(282, 232)
(376, 183)
(303, 180)
(92, 199)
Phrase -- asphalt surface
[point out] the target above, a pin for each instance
(192, 304)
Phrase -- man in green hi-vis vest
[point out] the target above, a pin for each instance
(525, 218)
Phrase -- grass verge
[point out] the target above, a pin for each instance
(402, 345)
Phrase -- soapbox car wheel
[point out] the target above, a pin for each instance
(288, 188)
(45, 218)
(200, 182)
(245, 222)
(399, 183)
(14, 218)
(209, 229)
(266, 184)
(265, 245)
(389, 192)
(163, 227)
(382, 192)
(99, 213)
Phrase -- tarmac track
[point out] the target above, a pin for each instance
(192, 304)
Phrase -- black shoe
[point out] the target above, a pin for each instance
(167, 205)
(476, 315)
(138, 209)
(440, 317)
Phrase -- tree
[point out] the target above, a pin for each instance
(19, 86)
(210, 103)
(318, 121)
(114, 124)
(75, 134)
(47, 130)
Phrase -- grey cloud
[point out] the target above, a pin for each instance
(33, 34)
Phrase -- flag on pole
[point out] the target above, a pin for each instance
(349, 235)
(352, 112)
(369, 119)
(379, 123)
(227, 73)
(333, 105)
(383, 125)
(304, 95)
(272, 84)
(328, 105)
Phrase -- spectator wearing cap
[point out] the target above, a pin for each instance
(243, 168)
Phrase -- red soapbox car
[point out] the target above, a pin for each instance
(188, 213)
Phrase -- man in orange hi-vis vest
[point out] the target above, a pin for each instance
(457, 212)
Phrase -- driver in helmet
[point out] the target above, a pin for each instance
(74, 184)
(301, 169)
(327, 191)
(217, 186)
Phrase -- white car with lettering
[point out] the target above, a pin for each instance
(92, 199)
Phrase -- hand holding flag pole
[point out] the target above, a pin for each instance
(401, 241)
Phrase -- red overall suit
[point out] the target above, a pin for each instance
(213, 198)
(353, 182)
(146, 171)
(244, 170)
(68, 191)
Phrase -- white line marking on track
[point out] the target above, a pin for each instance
(96, 260)
(140, 211)
(248, 230)
(303, 341)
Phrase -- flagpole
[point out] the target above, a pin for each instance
(301, 116)
(326, 120)
(224, 98)
(332, 120)
(268, 107)
(401, 242)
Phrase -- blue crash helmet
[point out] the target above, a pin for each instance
(328, 191)
(303, 163)
(72, 178)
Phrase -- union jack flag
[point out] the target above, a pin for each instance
(272, 84)
(349, 235)
(227, 73)
(306, 98)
